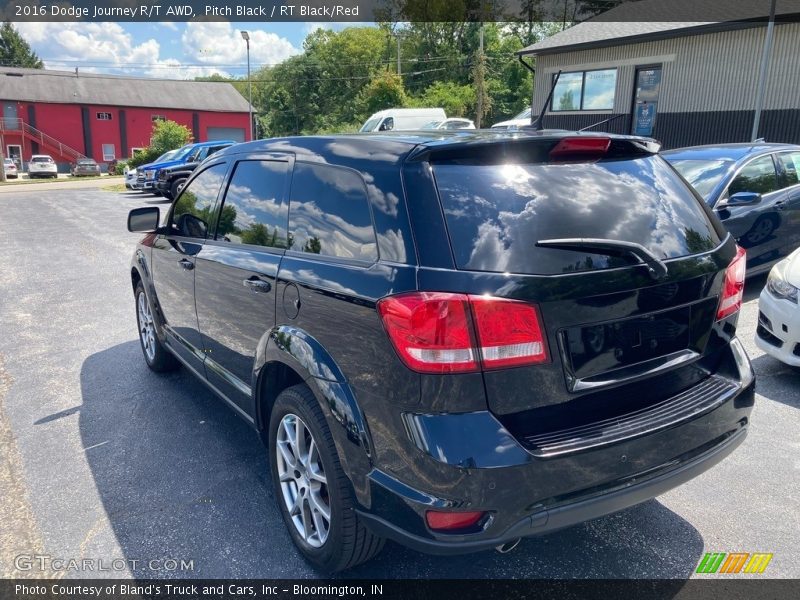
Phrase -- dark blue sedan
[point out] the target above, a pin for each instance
(754, 189)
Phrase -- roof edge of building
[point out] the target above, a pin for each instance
(645, 37)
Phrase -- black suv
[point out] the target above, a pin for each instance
(172, 179)
(452, 340)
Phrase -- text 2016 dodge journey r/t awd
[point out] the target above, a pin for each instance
(453, 340)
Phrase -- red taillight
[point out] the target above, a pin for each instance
(444, 521)
(733, 287)
(580, 147)
(433, 332)
(509, 332)
(430, 331)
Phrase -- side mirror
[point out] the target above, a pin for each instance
(741, 199)
(144, 220)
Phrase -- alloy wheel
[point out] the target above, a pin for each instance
(304, 485)
(146, 327)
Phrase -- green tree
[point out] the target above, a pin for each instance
(566, 101)
(456, 100)
(257, 234)
(385, 90)
(167, 135)
(15, 51)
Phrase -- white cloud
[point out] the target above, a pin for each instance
(92, 46)
(220, 43)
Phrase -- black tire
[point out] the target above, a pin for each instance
(348, 542)
(159, 359)
(176, 187)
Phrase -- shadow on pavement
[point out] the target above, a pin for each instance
(181, 476)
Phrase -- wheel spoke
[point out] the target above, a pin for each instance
(304, 515)
(315, 473)
(287, 455)
(318, 505)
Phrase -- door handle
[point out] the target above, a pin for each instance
(780, 205)
(257, 285)
(186, 264)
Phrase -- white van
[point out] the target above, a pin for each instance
(402, 119)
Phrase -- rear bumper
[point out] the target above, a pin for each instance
(564, 515)
(470, 462)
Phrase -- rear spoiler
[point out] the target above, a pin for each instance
(538, 147)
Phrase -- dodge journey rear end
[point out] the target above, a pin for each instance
(452, 340)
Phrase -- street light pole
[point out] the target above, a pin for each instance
(246, 38)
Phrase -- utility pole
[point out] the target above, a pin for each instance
(762, 76)
(2, 162)
(246, 38)
(399, 67)
(479, 82)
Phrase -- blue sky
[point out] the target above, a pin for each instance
(171, 50)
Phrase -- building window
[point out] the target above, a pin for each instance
(109, 152)
(104, 116)
(135, 151)
(585, 90)
(155, 118)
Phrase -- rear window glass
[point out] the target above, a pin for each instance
(497, 213)
(41, 159)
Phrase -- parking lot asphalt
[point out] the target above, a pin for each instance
(102, 459)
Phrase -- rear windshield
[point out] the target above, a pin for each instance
(41, 159)
(496, 213)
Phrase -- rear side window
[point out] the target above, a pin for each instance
(758, 176)
(329, 213)
(254, 211)
(791, 168)
(497, 213)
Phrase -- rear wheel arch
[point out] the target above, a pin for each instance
(273, 378)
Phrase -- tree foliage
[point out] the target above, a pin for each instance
(15, 51)
(167, 135)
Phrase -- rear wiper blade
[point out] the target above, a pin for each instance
(655, 266)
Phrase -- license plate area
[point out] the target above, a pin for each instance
(600, 348)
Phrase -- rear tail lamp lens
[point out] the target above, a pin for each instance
(448, 521)
(436, 332)
(509, 332)
(733, 287)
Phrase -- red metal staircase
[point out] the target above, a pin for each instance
(20, 127)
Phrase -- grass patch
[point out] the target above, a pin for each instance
(118, 187)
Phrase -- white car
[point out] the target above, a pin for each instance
(130, 178)
(521, 120)
(778, 332)
(450, 123)
(42, 165)
(10, 168)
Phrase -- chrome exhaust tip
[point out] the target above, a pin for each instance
(508, 546)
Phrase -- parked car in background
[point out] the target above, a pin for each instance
(449, 373)
(84, 167)
(130, 178)
(42, 165)
(450, 123)
(10, 168)
(778, 332)
(754, 188)
(402, 119)
(148, 174)
(521, 120)
(171, 179)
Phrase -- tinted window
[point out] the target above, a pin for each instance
(496, 213)
(193, 212)
(329, 213)
(254, 211)
(791, 168)
(757, 176)
(704, 175)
